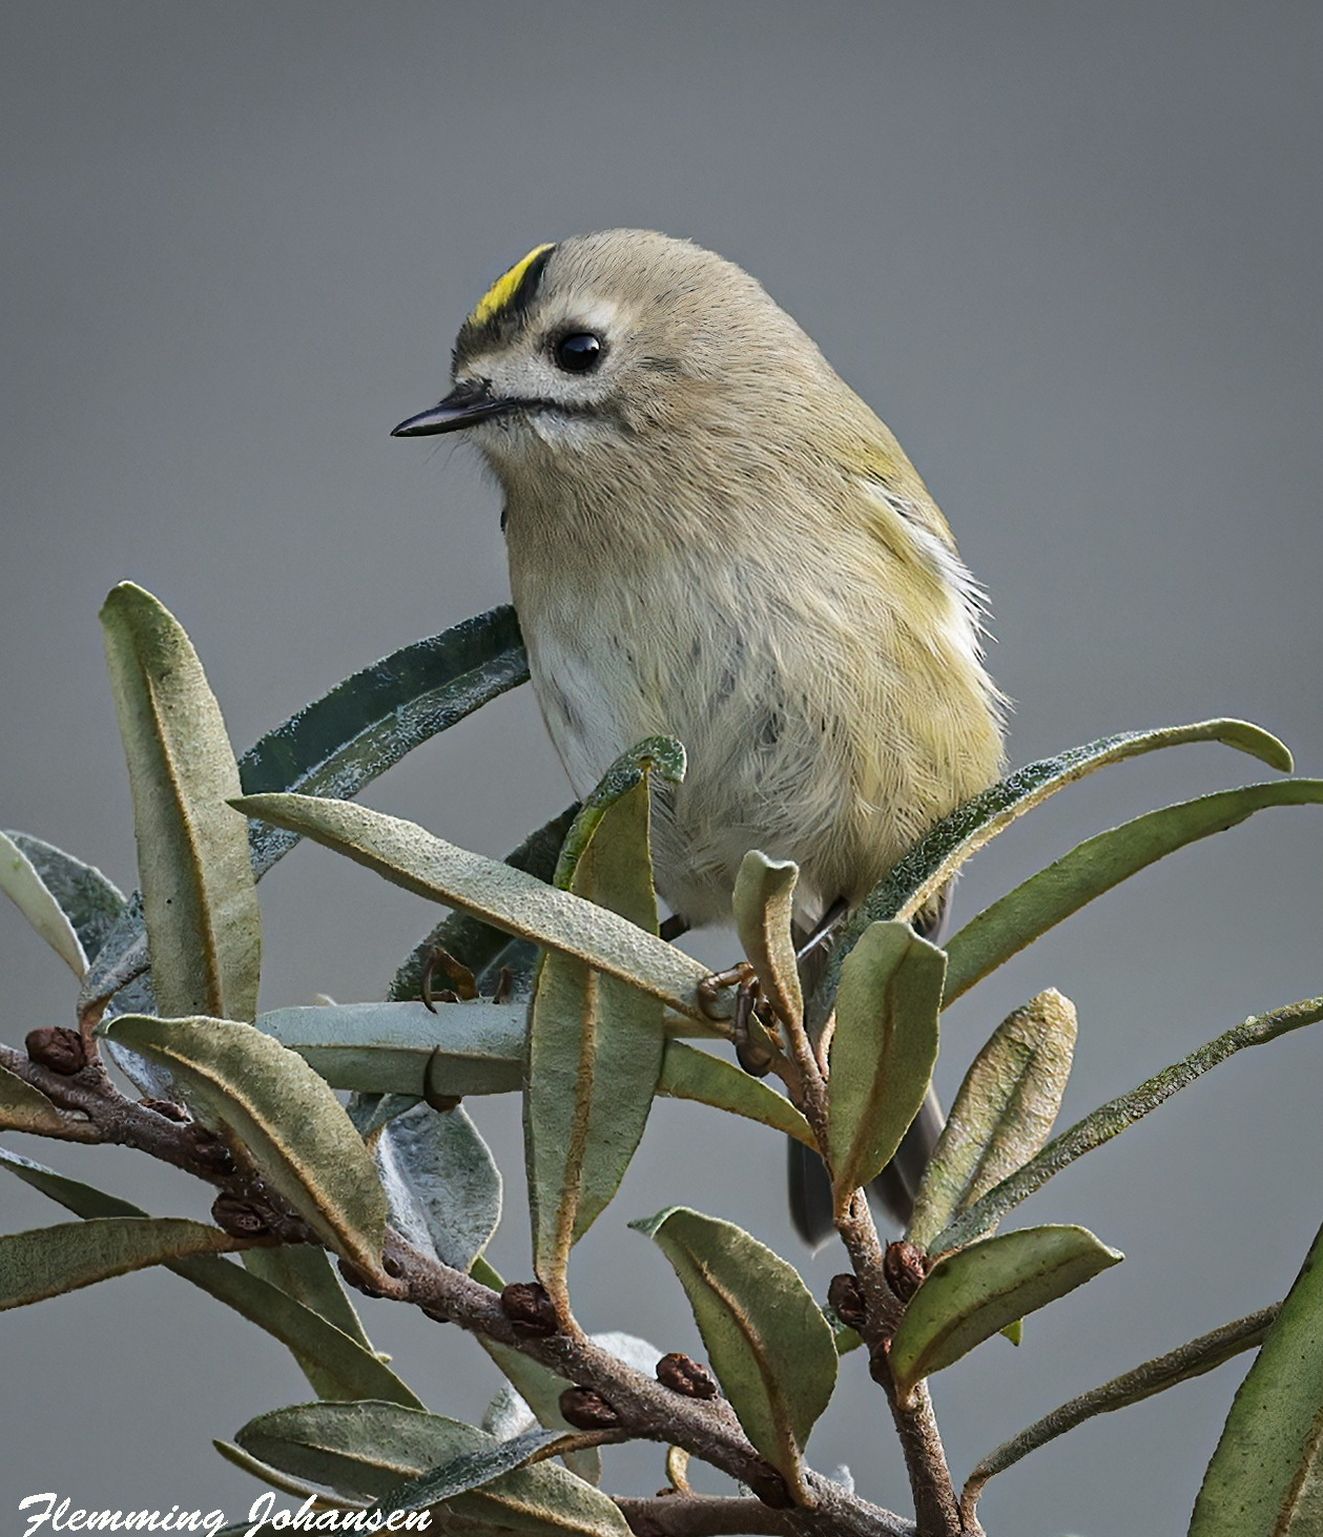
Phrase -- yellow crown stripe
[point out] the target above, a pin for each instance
(505, 287)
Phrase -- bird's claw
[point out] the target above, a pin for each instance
(754, 1044)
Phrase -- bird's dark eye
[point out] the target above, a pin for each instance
(579, 352)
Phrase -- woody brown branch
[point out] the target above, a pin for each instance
(707, 1429)
(936, 1508)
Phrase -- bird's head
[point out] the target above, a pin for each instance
(618, 341)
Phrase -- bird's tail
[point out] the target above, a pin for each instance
(811, 1207)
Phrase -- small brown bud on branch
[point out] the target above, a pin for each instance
(904, 1267)
(682, 1374)
(587, 1410)
(58, 1048)
(210, 1151)
(845, 1297)
(241, 1219)
(529, 1308)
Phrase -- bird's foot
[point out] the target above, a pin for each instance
(755, 1045)
(463, 988)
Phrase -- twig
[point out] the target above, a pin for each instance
(647, 1410)
(935, 1507)
(1192, 1360)
(701, 1516)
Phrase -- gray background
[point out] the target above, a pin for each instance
(1071, 254)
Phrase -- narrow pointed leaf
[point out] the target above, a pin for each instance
(305, 1272)
(1118, 1115)
(370, 1112)
(367, 1450)
(768, 1341)
(688, 1073)
(386, 1048)
(595, 1043)
(338, 1365)
(465, 1471)
(441, 1182)
(1266, 1476)
(882, 1052)
(273, 1478)
(763, 904)
(509, 899)
(204, 932)
(1156, 1376)
(366, 724)
(468, 939)
(931, 863)
(23, 885)
(23, 1108)
(294, 1128)
(344, 740)
(1017, 919)
(1003, 1113)
(89, 900)
(973, 1294)
(463, 1049)
(48, 1261)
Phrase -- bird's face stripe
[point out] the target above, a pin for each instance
(511, 287)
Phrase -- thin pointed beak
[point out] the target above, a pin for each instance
(469, 402)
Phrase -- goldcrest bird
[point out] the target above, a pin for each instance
(712, 537)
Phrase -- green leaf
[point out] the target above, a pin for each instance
(367, 1449)
(464, 1049)
(304, 1271)
(1002, 1114)
(408, 856)
(768, 1341)
(204, 931)
(273, 1478)
(974, 1293)
(763, 904)
(345, 739)
(91, 902)
(365, 725)
(465, 1471)
(48, 1261)
(22, 884)
(688, 1073)
(1156, 1376)
(882, 1051)
(595, 1043)
(1017, 919)
(658, 754)
(346, 1366)
(294, 1128)
(23, 1108)
(1118, 1115)
(441, 1182)
(1266, 1476)
(931, 863)
(386, 1048)
(370, 1112)
(472, 942)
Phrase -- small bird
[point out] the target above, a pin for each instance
(712, 537)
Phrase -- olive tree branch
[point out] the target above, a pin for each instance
(644, 1408)
(935, 1506)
